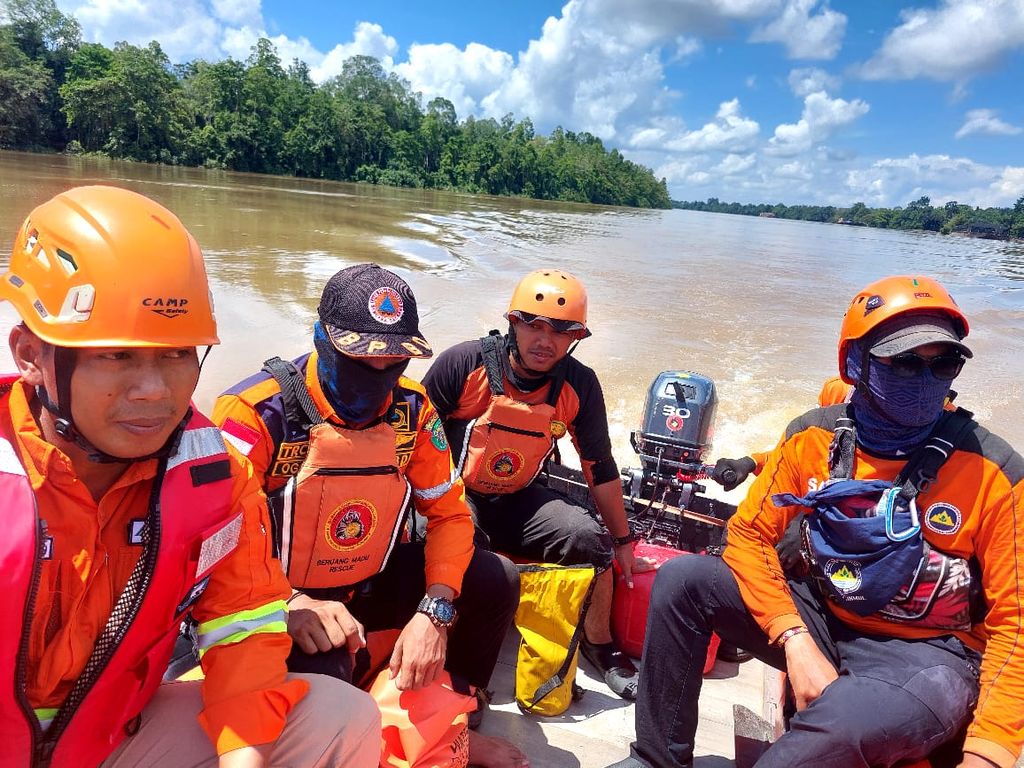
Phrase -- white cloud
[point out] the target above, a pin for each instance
(897, 181)
(955, 41)
(729, 132)
(238, 43)
(463, 76)
(986, 121)
(240, 13)
(734, 164)
(822, 116)
(794, 170)
(186, 29)
(805, 34)
(804, 82)
(368, 40)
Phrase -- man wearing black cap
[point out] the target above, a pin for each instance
(344, 443)
(899, 621)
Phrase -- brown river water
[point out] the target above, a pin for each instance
(753, 303)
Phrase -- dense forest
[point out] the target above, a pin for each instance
(995, 223)
(59, 93)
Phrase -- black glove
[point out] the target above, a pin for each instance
(729, 473)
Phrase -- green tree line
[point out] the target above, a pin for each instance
(260, 115)
(996, 223)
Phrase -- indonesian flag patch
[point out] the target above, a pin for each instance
(242, 437)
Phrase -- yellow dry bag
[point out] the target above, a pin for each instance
(553, 604)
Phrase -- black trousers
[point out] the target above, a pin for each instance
(540, 524)
(894, 700)
(486, 607)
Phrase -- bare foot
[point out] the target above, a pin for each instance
(492, 752)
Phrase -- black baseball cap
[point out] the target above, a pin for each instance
(916, 329)
(369, 311)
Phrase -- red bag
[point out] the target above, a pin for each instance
(426, 728)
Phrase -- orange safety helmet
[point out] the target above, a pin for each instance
(106, 267)
(892, 296)
(553, 295)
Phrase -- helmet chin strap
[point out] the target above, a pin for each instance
(64, 425)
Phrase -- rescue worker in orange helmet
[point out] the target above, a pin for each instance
(731, 473)
(346, 447)
(505, 401)
(902, 630)
(125, 514)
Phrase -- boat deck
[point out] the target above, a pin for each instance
(596, 731)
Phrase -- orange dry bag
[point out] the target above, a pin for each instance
(425, 728)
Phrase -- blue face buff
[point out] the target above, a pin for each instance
(901, 412)
(354, 389)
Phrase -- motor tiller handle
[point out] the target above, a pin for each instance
(690, 472)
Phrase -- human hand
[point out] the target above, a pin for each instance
(729, 473)
(320, 625)
(419, 654)
(629, 564)
(810, 672)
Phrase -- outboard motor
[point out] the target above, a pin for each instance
(678, 421)
(674, 440)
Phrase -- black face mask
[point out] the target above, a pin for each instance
(354, 389)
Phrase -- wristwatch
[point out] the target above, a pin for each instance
(439, 610)
(621, 541)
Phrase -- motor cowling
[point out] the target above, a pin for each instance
(678, 421)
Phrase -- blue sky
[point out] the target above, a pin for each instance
(794, 101)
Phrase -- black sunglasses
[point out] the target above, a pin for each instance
(943, 367)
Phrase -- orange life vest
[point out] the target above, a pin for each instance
(191, 528)
(341, 515)
(505, 448)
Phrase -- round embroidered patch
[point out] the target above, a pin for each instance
(350, 523)
(558, 429)
(437, 436)
(943, 517)
(844, 575)
(386, 305)
(505, 464)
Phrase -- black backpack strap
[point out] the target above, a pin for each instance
(493, 351)
(299, 410)
(844, 444)
(557, 380)
(923, 467)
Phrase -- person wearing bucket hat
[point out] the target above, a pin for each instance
(346, 448)
(899, 622)
(505, 401)
(126, 515)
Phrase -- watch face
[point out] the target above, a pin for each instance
(444, 611)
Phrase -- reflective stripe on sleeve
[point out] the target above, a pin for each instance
(429, 494)
(236, 627)
(197, 444)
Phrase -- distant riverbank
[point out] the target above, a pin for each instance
(951, 218)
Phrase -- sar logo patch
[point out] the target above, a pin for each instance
(505, 464)
(437, 436)
(350, 523)
(844, 575)
(943, 517)
(386, 305)
(558, 429)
